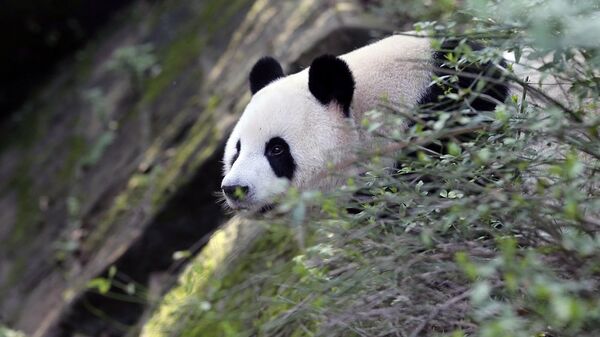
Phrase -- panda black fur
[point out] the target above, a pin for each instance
(294, 125)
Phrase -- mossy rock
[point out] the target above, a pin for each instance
(246, 282)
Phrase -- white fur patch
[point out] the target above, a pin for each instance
(395, 69)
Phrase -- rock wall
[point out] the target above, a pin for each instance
(113, 168)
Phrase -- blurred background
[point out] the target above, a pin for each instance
(113, 116)
(38, 35)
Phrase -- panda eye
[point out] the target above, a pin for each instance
(276, 150)
(276, 147)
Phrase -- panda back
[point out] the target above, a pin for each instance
(396, 69)
(400, 69)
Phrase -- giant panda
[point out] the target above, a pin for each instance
(295, 125)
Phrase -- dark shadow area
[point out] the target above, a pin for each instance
(191, 214)
(37, 34)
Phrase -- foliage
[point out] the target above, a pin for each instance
(5, 332)
(493, 231)
(137, 61)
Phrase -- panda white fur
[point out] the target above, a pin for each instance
(295, 125)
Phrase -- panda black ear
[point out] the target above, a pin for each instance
(330, 79)
(265, 71)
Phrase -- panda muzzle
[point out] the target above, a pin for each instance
(235, 192)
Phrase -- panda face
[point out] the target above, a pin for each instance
(285, 137)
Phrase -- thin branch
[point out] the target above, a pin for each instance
(417, 331)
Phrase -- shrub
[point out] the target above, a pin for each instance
(495, 234)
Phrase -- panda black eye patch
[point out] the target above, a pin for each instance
(280, 158)
(238, 147)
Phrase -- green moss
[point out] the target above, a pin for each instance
(213, 102)
(202, 136)
(27, 214)
(235, 316)
(135, 194)
(226, 291)
(181, 53)
(26, 219)
(77, 149)
(217, 13)
(156, 187)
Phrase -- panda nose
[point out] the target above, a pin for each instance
(235, 192)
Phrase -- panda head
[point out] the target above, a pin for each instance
(290, 130)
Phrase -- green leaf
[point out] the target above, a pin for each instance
(101, 284)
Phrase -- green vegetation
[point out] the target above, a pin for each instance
(136, 61)
(5, 332)
(186, 49)
(178, 56)
(494, 233)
